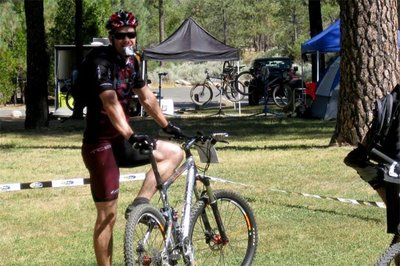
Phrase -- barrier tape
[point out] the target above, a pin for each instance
(62, 183)
(378, 204)
(140, 176)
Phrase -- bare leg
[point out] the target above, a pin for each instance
(168, 157)
(102, 236)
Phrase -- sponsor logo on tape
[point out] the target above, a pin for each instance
(36, 185)
(132, 177)
(5, 188)
(10, 187)
(67, 182)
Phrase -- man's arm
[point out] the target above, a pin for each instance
(115, 112)
(149, 102)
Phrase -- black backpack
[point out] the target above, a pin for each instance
(385, 131)
(83, 78)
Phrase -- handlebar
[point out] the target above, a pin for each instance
(189, 141)
(383, 156)
(391, 167)
(204, 146)
(163, 73)
(203, 143)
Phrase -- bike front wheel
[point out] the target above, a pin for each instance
(201, 94)
(144, 236)
(240, 227)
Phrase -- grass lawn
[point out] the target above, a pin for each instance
(53, 226)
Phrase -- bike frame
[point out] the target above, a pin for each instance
(221, 89)
(179, 233)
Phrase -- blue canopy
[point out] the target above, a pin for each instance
(325, 41)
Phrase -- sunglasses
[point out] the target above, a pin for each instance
(122, 35)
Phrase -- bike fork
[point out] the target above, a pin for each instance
(214, 207)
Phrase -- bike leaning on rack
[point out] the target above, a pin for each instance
(391, 170)
(218, 228)
(65, 86)
(278, 86)
(202, 93)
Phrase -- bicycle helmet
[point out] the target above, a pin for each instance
(120, 19)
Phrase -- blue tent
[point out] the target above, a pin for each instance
(326, 99)
(327, 41)
(324, 42)
(327, 93)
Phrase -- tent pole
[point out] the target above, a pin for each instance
(237, 72)
(317, 66)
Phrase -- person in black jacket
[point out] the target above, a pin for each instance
(109, 141)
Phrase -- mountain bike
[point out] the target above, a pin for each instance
(231, 69)
(215, 228)
(202, 93)
(391, 175)
(281, 86)
(278, 86)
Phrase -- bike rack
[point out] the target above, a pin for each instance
(265, 74)
(160, 75)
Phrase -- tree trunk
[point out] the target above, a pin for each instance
(78, 30)
(369, 66)
(161, 19)
(78, 106)
(314, 12)
(398, 11)
(37, 108)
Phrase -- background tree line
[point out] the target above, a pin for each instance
(271, 27)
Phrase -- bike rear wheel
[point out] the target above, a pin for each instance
(282, 95)
(391, 255)
(69, 100)
(245, 78)
(240, 228)
(232, 92)
(144, 236)
(201, 94)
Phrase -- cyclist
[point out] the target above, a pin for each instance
(109, 142)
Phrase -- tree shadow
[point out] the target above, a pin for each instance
(270, 148)
(306, 208)
(13, 146)
(239, 128)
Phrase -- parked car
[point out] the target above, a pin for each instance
(281, 72)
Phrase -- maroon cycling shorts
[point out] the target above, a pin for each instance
(103, 160)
